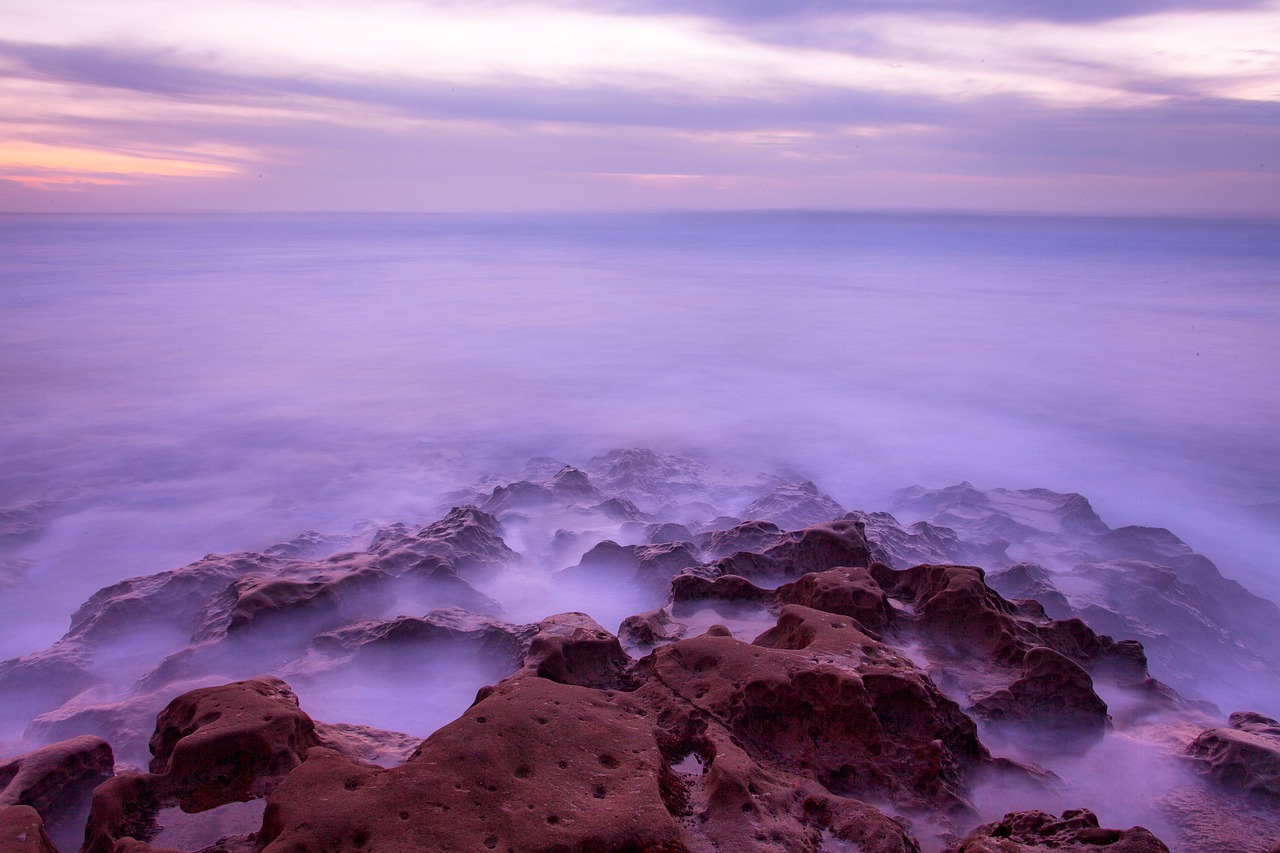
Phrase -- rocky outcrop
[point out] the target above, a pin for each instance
(53, 776)
(1243, 757)
(211, 746)
(1077, 829)
(22, 831)
(533, 765)
(1052, 692)
(468, 538)
(792, 506)
(57, 781)
(648, 567)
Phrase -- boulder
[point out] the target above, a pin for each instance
(1243, 757)
(1035, 831)
(22, 831)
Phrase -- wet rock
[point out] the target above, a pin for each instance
(520, 496)
(667, 532)
(687, 588)
(366, 743)
(1031, 581)
(792, 506)
(901, 546)
(849, 592)
(750, 536)
(1078, 829)
(571, 648)
(821, 697)
(231, 742)
(1052, 692)
(387, 643)
(573, 485)
(54, 775)
(211, 746)
(469, 538)
(22, 831)
(650, 567)
(533, 765)
(58, 781)
(649, 629)
(1243, 757)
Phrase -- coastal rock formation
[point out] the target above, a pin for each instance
(793, 676)
(22, 831)
(1243, 757)
(533, 765)
(1052, 692)
(211, 746)
(1077, 829)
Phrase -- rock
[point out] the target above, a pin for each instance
(571, 648)
(520, 496)
(650, 567)
(381, 644)
(649, 629)
(571, 484)
(468, 538)
(211, 746)
(667, 532)
(826, 699)
(921, 542)
(1031, 581)
(533, 765)
(1052, 692)
(58, 782)
(1244, 757)
(22, 831)
(1034, 831)
(690, 588)
(751, 536)
(55, 775)
(367, 744)
(219, 744)
(792, 506)
(849, 592)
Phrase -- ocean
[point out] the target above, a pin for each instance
(178, 385)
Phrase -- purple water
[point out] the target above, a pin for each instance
(176, 385)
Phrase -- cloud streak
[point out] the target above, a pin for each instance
(327, 89)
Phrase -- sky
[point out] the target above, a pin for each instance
(1063, 106)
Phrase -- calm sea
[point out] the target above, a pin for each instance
(175, 385)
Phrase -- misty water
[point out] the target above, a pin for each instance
(174, 386)
(179, 385)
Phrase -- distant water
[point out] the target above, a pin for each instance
(177, 385)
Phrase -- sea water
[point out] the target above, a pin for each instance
(177, 385)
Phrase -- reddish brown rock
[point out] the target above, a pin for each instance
(649, 628)
(533, 766)
(751, 536)
(1244, 757)
(819, 696)
(1052, 692)
(469, 538)
(22, 831)
(48, 778)
(692, 587)
(850, 592)
(571, 648)
(219, 744)
(1035, 831)
(212, 746)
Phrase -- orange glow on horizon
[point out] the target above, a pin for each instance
(37, 165)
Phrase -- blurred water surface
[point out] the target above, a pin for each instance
(175, 385)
